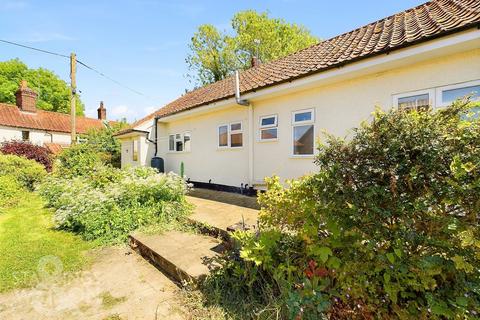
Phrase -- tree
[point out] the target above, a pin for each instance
(53, 92)
(215, 54)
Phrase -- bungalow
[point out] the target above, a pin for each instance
(265, 120)
(24, 121)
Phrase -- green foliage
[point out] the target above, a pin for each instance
(79, 159)
(103, 141)
(215, 55)
(27, 173)
(10, 190)
(53, 93)
(106, 203)
(387, 228)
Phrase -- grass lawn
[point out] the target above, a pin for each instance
(31, 249)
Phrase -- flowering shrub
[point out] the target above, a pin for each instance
(387, 229)
(27, 173)
(28, 150)
(78, 160)
(108, 203)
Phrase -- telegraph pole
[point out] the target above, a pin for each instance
(73, 92)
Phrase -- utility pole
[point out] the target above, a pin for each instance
(73, 92)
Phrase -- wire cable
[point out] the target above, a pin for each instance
(36, 49)
(81, 63)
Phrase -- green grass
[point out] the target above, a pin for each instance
(30, 249)
(109, 301)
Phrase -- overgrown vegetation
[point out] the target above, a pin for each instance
(30, 151)
(27, 173)
(105, 204)
(388, 228)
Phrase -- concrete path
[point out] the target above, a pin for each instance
(221, 215)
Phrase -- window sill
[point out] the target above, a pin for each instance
(302, 156)
(267, 140)
(228, 148)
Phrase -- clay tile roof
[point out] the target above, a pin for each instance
(11, 116)
(55, 148)
(419, 24)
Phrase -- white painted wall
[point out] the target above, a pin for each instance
(36, 136)
(339, 107)
(146, 149)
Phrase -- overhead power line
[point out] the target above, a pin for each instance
(79, 62)
(36, 49)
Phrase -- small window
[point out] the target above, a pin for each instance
(179, 142)
(230, 135)
(187, 141)
(449, 96)
(236, 135)
(171, 142)
(416, 102)
(223, 136)
(135, 150)
(303, 133)
(268, 128)
(26, 135)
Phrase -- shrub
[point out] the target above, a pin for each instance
(10, 190)
(27, 173)
(30, 151)
(388, 227)
(78, 160)
(108, 203)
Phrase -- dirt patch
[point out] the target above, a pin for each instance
(119, 285)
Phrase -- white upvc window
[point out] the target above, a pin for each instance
(415, 100)
(303, 132)
(179, 142)
(447, 94)
(230, 135)
(269, 128)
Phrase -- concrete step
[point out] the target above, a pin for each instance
(217, 217)
(182, 256)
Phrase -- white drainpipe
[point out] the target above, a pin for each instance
(246, 103)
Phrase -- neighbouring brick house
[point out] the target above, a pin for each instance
(24, 121)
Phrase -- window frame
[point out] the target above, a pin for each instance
(267, 127)
(181, 139)
(27, 134)
(135, 150)
(430, 92)
(440, 90)
(229, 135)
(299, 124)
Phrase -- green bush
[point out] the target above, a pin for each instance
(387, 228)
(78, 160)
(108, 203)
(10, 191)
(27, 173)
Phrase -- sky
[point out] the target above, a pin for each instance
(143, 43)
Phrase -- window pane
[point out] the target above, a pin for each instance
(303, 139)
(135, 151)
(179, 145)
(267, 134)
(236, 140)
(303, 116)
(186, 141)
(270, 121)
(448, 96)
(25, 135)
(171, 143)
(236, 126)
(418, 102)
(223, 136)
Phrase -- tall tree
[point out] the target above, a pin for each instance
(216, 54)
(53, 92)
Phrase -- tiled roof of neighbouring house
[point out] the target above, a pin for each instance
(419, 24)
(12, 116)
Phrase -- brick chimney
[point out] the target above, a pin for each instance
(254, 61)
(102, 112)
(26, 98)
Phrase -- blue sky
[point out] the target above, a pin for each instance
(143, 43)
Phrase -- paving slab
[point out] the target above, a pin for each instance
(182, 256)
(221, 215)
